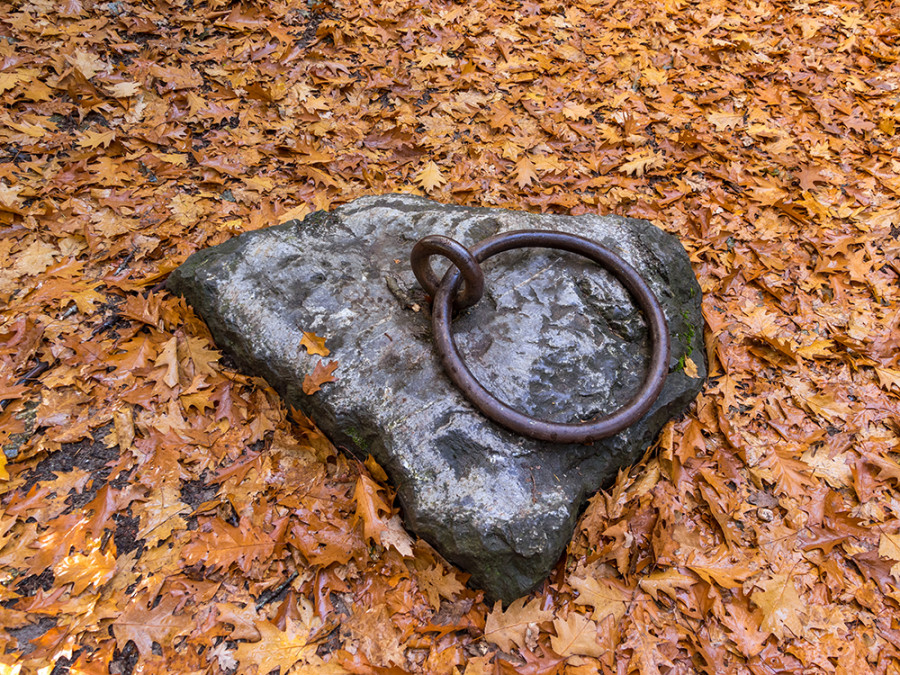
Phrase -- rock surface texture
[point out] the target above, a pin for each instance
(554, 336)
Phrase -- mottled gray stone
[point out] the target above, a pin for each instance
(554, 336)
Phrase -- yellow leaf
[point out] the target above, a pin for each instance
(160, 514)
(606, 596)
(197, 349)
(36, 258)
(524, 173)
(889, 378)
(176, 158)
(259, 183)
(506, 629)
(668, 582)
(576, 636)
(4, 474)
(654, 76)
(9, 195)
(124, 89)
(718, 567)
(835, 470)
(276, 648)
(781, 605)
(38, 91)
(95, 568)
(86, 300)
(299, 212)
(314, 344)
(94, 139)
(640, 162)
(725, 120)
(430, 177)
(396, 537)
(168, 359)
(576, 111)
(435, 584)
(690, 368)
(87, 64)
(889, 547)
(817, 348)
(8, 81)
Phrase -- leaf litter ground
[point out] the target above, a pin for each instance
(162, 511)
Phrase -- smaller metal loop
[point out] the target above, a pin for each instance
(459, 255)
(555, 432)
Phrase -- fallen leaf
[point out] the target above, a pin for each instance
(576, 636)
(320, 375)
(507, 629)
(781, 605)
(95, 139)
(430, 177)
(889, 547)
(314, 344)
(370, 507)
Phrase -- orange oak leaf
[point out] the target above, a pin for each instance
(507, 629)
(370, 507)
(320, 375)
(145, 622)
(276, 648)
(781, 605)
(576, 636)
(436, 585)
(430, 177)
(314, 344)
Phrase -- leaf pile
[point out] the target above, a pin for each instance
(161, 510)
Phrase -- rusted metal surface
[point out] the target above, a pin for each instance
(466, 268)
(456, 253)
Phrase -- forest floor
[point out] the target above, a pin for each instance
(163, 512)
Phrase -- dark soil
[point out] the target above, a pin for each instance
(195, 492)
(89, 455)
(123, 662)
(125, 537)
(30, 585)
(30, 632)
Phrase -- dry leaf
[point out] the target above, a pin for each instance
(321, 374)
(314, 344)
(576, 636)
(506, 629)
(430, 177)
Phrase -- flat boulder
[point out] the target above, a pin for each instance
(555, 336)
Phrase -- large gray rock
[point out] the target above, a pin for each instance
(554, 336)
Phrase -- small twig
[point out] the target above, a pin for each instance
(159, 286)
(124, 264)
(32, 374)
(273, 593)
(107, 323)
(393, 284)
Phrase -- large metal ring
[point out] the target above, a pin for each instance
(514, 420)
(459, 255)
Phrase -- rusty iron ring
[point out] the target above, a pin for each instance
(459, 255)
(514, 420)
